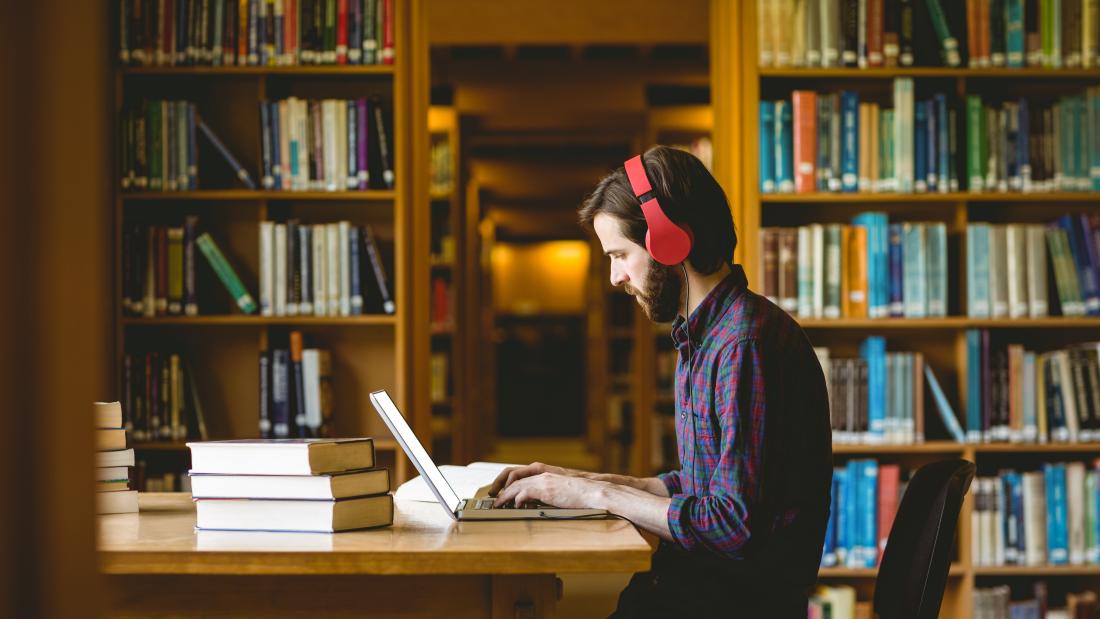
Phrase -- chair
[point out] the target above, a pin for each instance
(913, 571)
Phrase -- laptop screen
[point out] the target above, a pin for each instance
(395, 421)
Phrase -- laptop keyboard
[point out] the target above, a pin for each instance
(488, 504)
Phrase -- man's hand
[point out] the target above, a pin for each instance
(516, 473)
(559, 490)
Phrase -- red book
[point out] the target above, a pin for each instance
(387, 31)
(972, 33)
(889, 479)
(290, 31)
(439, 302)
(341, 31)
(984, 48)
(805, 140)
(875, 26)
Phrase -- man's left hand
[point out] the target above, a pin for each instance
(553, 489)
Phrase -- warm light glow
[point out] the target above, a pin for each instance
(546, 277)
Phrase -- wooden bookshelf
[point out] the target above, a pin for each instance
(737, 86)
(368, 351)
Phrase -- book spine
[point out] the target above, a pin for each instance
(175, 270)
(805, 131)
(849, 158)
(906, 57)
(341, 31)
(973, 386)
(293, 276)
(361, 143)
(354, 279)
(875, 31)
(383, 142)
(768, 149)
(869, 514)
(1015, 43)
(280, 393)
(343, 234)
(849, 33)
(332, 260)
(265, 395)
(370, 40)
(225, 273)
(297, 386)
(920, 147)
(784, 163)
(280, 275)
(375, 257)
(305, 270)
(949, 45)
(320, 270)
(832, 271)
(242, 174)
(190, 289)
(388, 45)
(267, 268)
(352, 179)
(896, 270)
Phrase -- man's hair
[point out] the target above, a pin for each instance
(687, 193)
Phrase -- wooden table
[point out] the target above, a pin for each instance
(426, 564)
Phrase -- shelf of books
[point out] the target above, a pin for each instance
(448, 342)
(919, 189)
(262, 223)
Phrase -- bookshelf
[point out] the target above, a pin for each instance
(738, 85)
(369, 351)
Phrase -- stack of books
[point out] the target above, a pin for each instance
(113, 493)
(312, 485)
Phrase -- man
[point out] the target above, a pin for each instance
(743, 520)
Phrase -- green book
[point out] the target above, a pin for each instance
(975, 122)
(949, 45)
(330, 32)
(369, 44)
(225, 273)
(1092, 544)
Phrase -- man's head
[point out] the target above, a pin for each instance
(690, 197)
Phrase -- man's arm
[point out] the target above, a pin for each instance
(651, 485)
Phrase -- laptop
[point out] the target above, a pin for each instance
(478, 507)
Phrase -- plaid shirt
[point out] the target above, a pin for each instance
(754, 439)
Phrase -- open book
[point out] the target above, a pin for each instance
(464, 479)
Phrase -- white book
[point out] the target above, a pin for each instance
(903, 134)
(817, 238)
(289, 456)
(861, 37)
(121, 502)
(120, 457)
(289, 515)
(988, 525)
(267, 268)
(111, 473)
(311, 383)
(341, 108)
(1069, 402)
(332, 261)
(328, 122)
(998, 268)
(998, 517)
(319, 277)
(345, 269)
(1016, 268)
(1075, 511)
(326, 486)
(1035, 523)
(976, 523)
(1036, 271)
(280, 270)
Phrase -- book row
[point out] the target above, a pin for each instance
(331, 269)
(255, 32)
(869, 269)
(1042, 517)
(836, 142)
(996, 602)
(319, 485)
(296, 394)
(1007, 268)
(865, 499)
(160, 397)
(160, 271)
(890, 33)
(1017, 395)
(325, 145)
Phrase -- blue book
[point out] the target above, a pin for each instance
(977, 271)
(1054, 474)
(840, 506)
(828, 550)
(943, 144)
(897, 273)
(784, 164)
(1014, 33)
(242, 174)
(914, 270)
(882, 250)
(932, 150)
(280, 393)
(825, 170)
(767, 147)
(920, 147)
(974, 385)
(276, 146)
(868, 506)
(1010, 518)
(268, 180)
(849, 146)
(356, 289)
(873, 351)
(936, 254)
(1023, 144)
(1086, 272)
(943, 406)
(853, 549)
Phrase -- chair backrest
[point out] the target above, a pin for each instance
(913, 572)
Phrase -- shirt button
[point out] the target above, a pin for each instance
(683, 415)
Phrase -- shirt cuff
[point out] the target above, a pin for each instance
(679, 517)
(671, 480)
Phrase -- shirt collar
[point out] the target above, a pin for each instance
(710, 311)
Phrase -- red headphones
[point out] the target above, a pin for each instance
(667, 242)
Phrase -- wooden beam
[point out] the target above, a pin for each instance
(536, 22)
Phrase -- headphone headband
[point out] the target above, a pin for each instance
(666, 241)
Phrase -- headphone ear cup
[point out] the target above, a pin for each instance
(667, 242)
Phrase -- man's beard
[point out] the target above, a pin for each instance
(661, 298)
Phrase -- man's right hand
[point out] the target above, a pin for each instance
(515, 473)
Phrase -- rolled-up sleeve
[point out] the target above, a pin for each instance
(721, 519)
(671, 480)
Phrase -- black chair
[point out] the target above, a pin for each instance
(913, 571)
